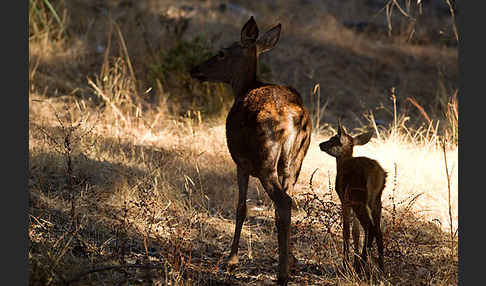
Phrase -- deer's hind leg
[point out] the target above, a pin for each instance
(282, 202)
(288, 174)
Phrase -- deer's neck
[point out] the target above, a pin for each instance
(245, 80)
(339, 176)
(340, 165)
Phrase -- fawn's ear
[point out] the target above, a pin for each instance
(362, 138)
(269, 39)
(341, 130)
(249, 32)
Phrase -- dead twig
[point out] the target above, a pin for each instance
(310, 180)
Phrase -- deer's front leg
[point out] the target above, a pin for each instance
(243, 178)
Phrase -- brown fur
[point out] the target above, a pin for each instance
(359, 183)
(268, 132)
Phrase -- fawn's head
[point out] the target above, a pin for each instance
(341, 145)
(239, 59)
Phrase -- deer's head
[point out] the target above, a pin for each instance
(341, 145)
(239, 59)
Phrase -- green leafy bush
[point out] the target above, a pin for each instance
(180, 59)
(185, 94)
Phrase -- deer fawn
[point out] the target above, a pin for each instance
(359, 183)
(268, 131)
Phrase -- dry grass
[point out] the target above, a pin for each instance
(166, 194)
(126, 189)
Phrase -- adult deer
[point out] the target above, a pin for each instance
(268, 131)
(359, 183)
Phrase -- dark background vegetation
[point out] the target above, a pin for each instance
(346, 47)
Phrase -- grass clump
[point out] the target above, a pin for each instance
(44, 18)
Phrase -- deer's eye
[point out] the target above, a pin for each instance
(221, 55)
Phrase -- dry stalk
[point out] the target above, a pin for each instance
(449, 198)
(33, 70)
(392, 197)
(395, 3)
(105, 67)
(395, 118)
(373, 121)
(318, 117)
(420, 108)
(310, 180)
(454, 27)
(452, 116)
(108, 100)
(389, 10)
(125, 51)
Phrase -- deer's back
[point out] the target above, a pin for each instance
(364, 173)
(260, 123)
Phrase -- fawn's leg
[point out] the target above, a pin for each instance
(243, 178)
(346, 227)
(367, 224)
(378, 234)
(355, 233)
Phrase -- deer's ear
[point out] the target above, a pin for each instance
(249, 32)
(269, 39)
(363, 138)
